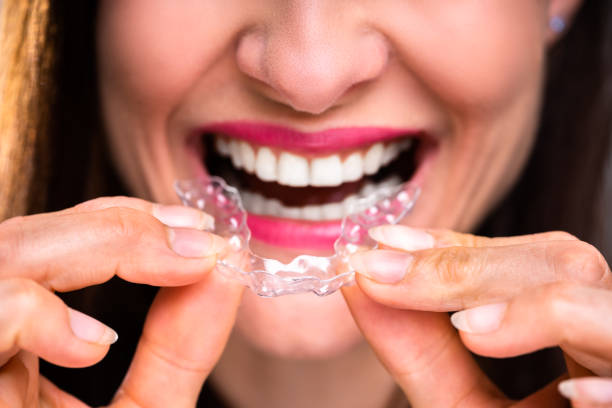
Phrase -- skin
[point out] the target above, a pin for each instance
(157, 88)
(167, 69)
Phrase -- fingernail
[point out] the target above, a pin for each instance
(89, 329)
(481, 319)
(178, 216)
(593, 390)
(193, 243)
(381, 265)
(402, 237)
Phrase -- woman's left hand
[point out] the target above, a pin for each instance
(515, 295)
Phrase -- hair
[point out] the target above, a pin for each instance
(53, 155)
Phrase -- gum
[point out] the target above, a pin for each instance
(306, 273)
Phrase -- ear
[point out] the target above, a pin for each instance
(565, 10)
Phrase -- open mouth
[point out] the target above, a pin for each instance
(297, 187)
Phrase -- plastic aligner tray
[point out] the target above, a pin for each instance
(305, 273)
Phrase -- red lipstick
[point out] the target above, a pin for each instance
(314, 235)
(321, 142)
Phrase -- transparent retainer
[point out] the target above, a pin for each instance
(305, 273)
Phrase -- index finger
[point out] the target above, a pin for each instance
(94, 241)
(450, 278)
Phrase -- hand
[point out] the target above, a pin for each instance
(187, 325)
(517, 295)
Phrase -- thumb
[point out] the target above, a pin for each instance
(423, 353)
(183, 337)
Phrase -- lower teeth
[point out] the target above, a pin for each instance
(256, 203)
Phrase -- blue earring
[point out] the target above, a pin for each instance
(557, 24)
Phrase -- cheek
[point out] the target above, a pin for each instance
(482, 62)
(151, 52)
(474, 56)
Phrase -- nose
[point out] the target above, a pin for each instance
(311, 53)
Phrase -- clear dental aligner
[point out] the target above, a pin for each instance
(305, 273)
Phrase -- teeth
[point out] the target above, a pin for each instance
(247, 156)
(311, 212)
(326, 171)
(373, 159)
(290, 212)
(404, 144)
(257, 204)
(390, 153)
(291, 169)
(332, 211)
(222, 146)
(352, 168)
(347, 204)
(265, 164)
(368, 189)
(234, 147)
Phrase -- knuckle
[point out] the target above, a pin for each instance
(94, 204)
(582, 262)
(121, 224)
(11, 240)
(102, 203)
(19, 298)
(476, 241)
(454, 264)
(449, 238)
(22, 295)
(558, 299)
(127, 226)
(560, 236)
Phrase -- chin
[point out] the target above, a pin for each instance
(298, 326)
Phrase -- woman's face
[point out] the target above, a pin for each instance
(312, 99)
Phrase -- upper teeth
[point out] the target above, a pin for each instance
(294, 170)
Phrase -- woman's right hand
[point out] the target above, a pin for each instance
(187, 325)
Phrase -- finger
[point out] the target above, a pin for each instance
(52, 396)
(184, 335)
(19, 381)
(588, 391)
(576, 361)
(559, 314)
(423, 353)
(170, 215)
(413, 239)
(34, 319)
(78, 248)
(547, 397)
(453, 278)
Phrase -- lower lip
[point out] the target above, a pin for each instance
(295, 234)
(312, 235)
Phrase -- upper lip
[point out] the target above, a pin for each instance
(320, 142)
